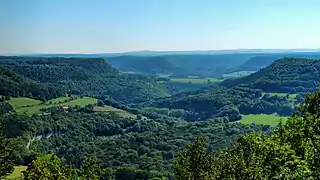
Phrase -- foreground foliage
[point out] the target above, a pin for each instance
(291, 152)
(6, 166)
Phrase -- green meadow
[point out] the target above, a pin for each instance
(196, 80)
(31, 106)
(120, 112)
(264, 119)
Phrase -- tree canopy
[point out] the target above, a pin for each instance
(291, 152)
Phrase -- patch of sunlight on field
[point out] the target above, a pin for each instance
(264, 119)
(120, 112)
(17, 173)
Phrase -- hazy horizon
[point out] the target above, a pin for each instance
(117, 26)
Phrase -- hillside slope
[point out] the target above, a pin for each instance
(229, 102)
(287, 75)
(180, 65)
(258, 62)
(15, 84)
(94, 77)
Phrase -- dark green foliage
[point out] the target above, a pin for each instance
(180, 65)
(6, 167)
(148, 145)
(287, 75)
(229, 103)
(5, 108)
(14, 84)
(195, 162)
(48, 167)
(90, 169)
(261, 61)
(93, 77)
(291, 152)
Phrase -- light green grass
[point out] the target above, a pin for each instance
(19, 104)
(23, 101)
(237, 74)
(264, 119)
(120, 112)
(17, 173)
(164, 75)
(196, 80)
(291, 96)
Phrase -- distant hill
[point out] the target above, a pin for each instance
(227, 102)
(161, 53)
(180, 65)
(261, 61)
(288, 75)
(94, 77)
(15, 84)
(144, 65)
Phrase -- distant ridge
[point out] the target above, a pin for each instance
(287, 75)
(157, 53)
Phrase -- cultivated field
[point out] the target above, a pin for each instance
(17, 173)
(32, 106)
(120, 112)
(237, 74)
(265, 119)
(196, 80)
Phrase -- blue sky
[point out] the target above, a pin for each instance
(94, 26)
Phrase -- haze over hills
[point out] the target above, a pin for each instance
(157, 53)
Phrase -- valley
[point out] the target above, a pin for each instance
(137, 123)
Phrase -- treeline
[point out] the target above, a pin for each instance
(227, 102)
(15, 85)
(288, 75)
(121, 144)
(36, 77)
(210, 65)
(291, 152)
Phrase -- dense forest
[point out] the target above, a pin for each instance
(263, 60)
(180, 65)
(80, 142)
(149, 145)
(94, 77)
(291, 152)
(288, 75)
(231, 103)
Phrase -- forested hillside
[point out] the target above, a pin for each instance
(93, 77)
(291, 152)
(83, 113)
(180, 65)
(231, 103)
(15, 84)
(261, 61)
(286, 75)
(146, 146)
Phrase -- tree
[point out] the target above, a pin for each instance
(195, 162)
(48, 167)
(100, 103)
(90, 169)
(291, 152)
(6, 166)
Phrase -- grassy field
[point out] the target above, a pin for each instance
(237, 74)
(17, 173)
(32, 106)
(196, 80)
(291, 96)
(265, 119)
(23, 101)
(120, 112)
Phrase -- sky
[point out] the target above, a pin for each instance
(101, 26)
